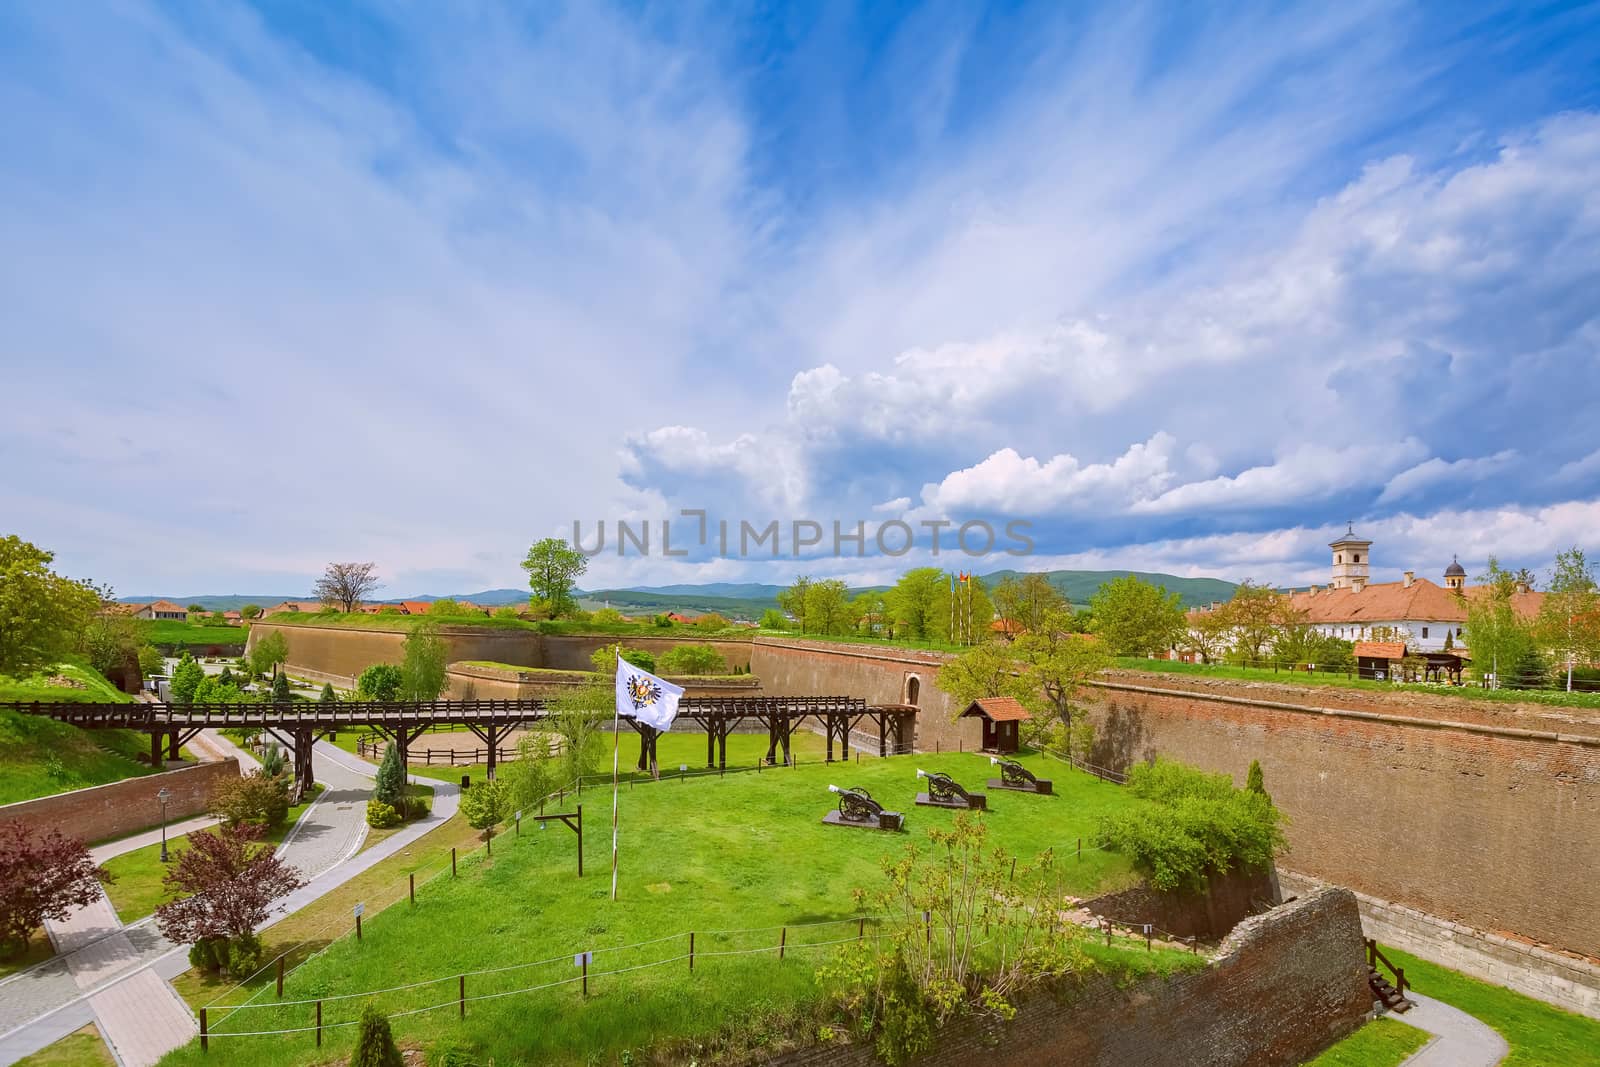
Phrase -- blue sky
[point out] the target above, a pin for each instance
(420, 283)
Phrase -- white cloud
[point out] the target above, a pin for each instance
(1435, 472)
(1307, 473)
(1016, 485)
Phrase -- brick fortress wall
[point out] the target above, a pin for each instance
(105, 811)
(1284, 986)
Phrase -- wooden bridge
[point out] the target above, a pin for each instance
(297, 726)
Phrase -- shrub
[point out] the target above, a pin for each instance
(256, 798)
(204, 953)
(773, 619)
(381, 681)
(244, 955)
(272, 761)
(186, 678)
(375, 1045)
(280, 689)
(486, 805)
(381, 816)
(604, 658)
(712, 621)
(692, 659)
(328, 695)
(390, 783)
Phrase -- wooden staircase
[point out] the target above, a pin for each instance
(1392, 995)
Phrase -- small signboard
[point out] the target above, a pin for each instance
(519, 816)
(359, 909)
(582, 958)
(682, 767)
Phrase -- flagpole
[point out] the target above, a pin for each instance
(616, 749)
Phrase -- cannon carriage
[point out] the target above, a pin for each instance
(857, 808)
(1016, 777)
(945, 792)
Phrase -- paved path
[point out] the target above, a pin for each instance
(1460, 1040)
(122, 975)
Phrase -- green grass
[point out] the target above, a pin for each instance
(359, 621)
(711, 854)
(138, 889)
(39, 949)
(40, 757)
(1384, 1042)
(173, 632)
(375, 834)
(1266, 674)
(549, 672)
(81, 1048)
(1540, 1034)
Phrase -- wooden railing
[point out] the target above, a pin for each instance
(1375, 956)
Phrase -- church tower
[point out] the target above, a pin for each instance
(1351, 561)
(1455, 575)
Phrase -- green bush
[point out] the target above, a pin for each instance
(692, 659)
(244, 955)
(390, 782)
(375, 1045)
(254, 798)
(381, 681)
(381, 816)
(203, 953)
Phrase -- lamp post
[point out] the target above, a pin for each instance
(162, 798)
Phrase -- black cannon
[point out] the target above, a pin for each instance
(1015, 776)
(857, 808)
(945, 792)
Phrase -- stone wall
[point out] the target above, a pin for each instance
(1566, 981)
(339, 654)
(1453, 818)
(1209, 915)
(105, 811)
(1284, 986)
(877, 674)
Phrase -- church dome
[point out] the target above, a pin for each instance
(1455, 570)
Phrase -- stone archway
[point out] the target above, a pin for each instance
(913, 693)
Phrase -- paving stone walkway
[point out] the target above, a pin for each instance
(118, 976)
(1460, 1040)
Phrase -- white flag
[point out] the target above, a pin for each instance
(648, 699)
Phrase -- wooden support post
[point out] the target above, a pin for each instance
(461, 995)
(691, 951)
(1080, 850)
(1013, 868)
(488, 842)
(205, 1043)
(861, 928)
(580, 840)
(452, 861)
(412, 879)
(155, 749)
(172, 744)
(358, 926)
(585, 965)
(319, 1024)
(280, 977)
(783, 941)
(1147, 937)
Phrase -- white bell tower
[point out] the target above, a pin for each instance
(1351, 561)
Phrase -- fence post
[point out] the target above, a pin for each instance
(461, 995)
(452, 861)
(488, 842)
(1080, 850)
(861, 928)
(412, 878)
(783, 940)
(691, 951)
(205, 1044)
(280, 977)
(1147, 937)
(319, 1024)
(1013, 869)
(585, 963)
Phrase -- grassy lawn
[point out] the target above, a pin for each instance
(715, 855)
(173, 632)
(138, 890)
(39, 950)
(81, 1048)
(41, 757)
(1539, 1034)
(376, 834)
(359, 621)
(1384, 1042)
(1266, 674)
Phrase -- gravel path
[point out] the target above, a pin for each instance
(1460, 1040)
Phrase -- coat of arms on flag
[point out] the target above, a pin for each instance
(646, 698)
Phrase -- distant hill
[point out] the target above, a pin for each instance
(737, 600)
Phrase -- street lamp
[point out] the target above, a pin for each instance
(162, 798)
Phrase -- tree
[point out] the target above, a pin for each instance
(328, 696)
(111, 643)
(531, 777)
(389, 784)
(213, 690)
(692, 659)
(42, 876)
(346, 585)
(1021, 603)
(486, 806)
(225, 677)
(1256, 782)
(712, 621)
(1569, 617)
(1496, 635)
(1057, 662)
(42, 614)
(772, 619)
(186, 679)
(195, 609)
(1136, 618)
(986, 670)
(423, 668)
(280, 690)
(914, 600)
(827, 608)
(793, 600)
(1207, 635)
(1256, 616)
(257, 797)
(381, 681)
(446, 606)
(251, 611)
(553, 566)
(151, 662)
(604, 659)
(582, 716)
(230, 883)
(269, 653)
(375, 1045)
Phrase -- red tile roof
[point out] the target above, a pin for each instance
(1381, 602)
(167, 605)
(415, 607)
(1379, 650)
(998, 709)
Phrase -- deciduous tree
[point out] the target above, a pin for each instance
(43, 875)
(1135, 617)
(229, 882)
(793, 600)
(381, 681)
(269, 653)
(1497, 637)
(1021, 602)
(42, 614)
(346, 585)
(692, 659)
(187, 677)
(772, 619)
(1057, 662)
(986, 670)
(828, 606)
(553, 566)
(423, 668)
(486, 806)
(1207, 635)
(1569, 617)
(1256, 616)
(916, 599)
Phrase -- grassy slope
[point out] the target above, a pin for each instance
(137, 889)
(81, 1048)
(711, 854)
(1539, 1034)
(173, 632)
(1383, 1042)
(40, 757)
